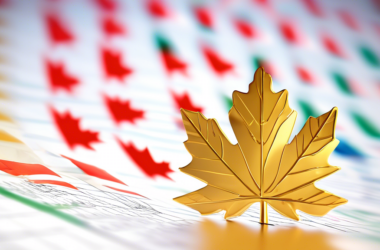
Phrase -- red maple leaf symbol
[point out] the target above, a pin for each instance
(305, 75)
(332, 46)
(157, 9)
(219, 65)
(107, 5)
(313, 7)
(348, 19)
(122, 110)
(113, 66)
(204, 17)
(59, 78)
(112, 27)
(58, 32)
(172, 63)
(245, 29)
(145, 162)
(289, 32)
(184, 101)
(71, 132)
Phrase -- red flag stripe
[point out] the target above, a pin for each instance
(94, 171)
(17, 168)
(124, 191)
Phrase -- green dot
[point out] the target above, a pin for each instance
(307, 109)
(257, 62)
(228, 102)
(369, 56)
(342, 83)
(368, 127)
(162, 43)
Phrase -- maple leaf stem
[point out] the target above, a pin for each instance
(263, 212)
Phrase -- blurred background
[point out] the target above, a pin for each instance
(102, 82)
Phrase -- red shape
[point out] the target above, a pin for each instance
(305, 75)
(261, 2)
(349, 20)
(357, 88)
(58, 32)
(71, 132)
(59, 78)
(313, 7)
(107, 5)
(60, 183)
(245, 29)
(332, 46)
(113, 67)
(145, 162)
(122, 110)
(376, 3)
(172, 63)
(184, 101)
(289, 32)
(94, 171)
(157, 9)
(125, 191)
(268, 66)
(377, 28)
(219, 65)
(18, 168)
(4, 3)
(112, 27)
(204, 17)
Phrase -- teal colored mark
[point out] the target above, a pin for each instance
(369, 56)
(342, 83)
(228, 102)
(43, 208)
(162, 43)
(366, 125)
(256, 63)
(307, 109)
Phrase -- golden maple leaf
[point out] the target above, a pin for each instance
(262, 167)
